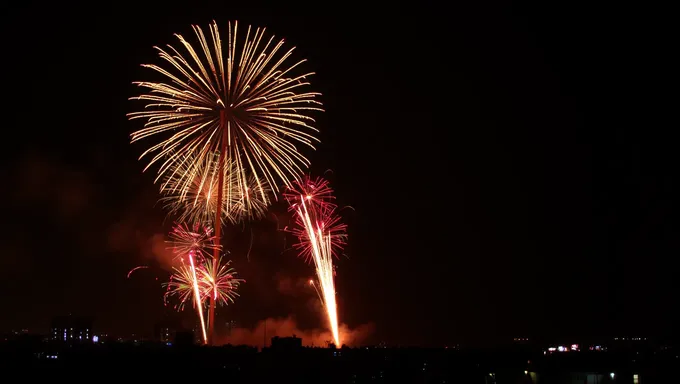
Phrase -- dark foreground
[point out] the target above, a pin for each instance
(306, 365)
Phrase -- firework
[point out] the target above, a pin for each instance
(181, 285)
(198, 239)
(318, 198)
(320, 235)
(200, 281)
(243, 104)
(194, 245)
(221, 283)
(195, 199)
(185, 283)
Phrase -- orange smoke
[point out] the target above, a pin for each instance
(284, 327)
(293, 286)
(161, 251)
(129, 235)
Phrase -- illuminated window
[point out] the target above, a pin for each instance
(636, 379)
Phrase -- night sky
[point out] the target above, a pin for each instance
(512, 171)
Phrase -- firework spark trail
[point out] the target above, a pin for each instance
(320, 234)
(323, 261)
(311, 282)
(197, 297)
(194, 198)
(136, 268)
(194, 243)
(320, 200)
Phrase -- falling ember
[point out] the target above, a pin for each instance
(311, 282)
(321, 235)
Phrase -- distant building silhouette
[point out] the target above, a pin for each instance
(288, 362)
(71, 329)
(286, 343)
(184, 338)
(164, 331)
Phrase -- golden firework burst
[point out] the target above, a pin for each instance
(245, 102)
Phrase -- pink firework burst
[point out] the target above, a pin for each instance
(198, 239)
(313, 205)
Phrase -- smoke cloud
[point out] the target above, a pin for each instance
(160, 251)
(292, 286)
(283, 327)
(132, 233)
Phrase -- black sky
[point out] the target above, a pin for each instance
(513, 169)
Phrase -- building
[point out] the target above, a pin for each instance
(71, 329)
(164, 334)
(184, 338)
(165, 331)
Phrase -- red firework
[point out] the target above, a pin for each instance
(198, 239)
(319, 202)
(316, 192)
